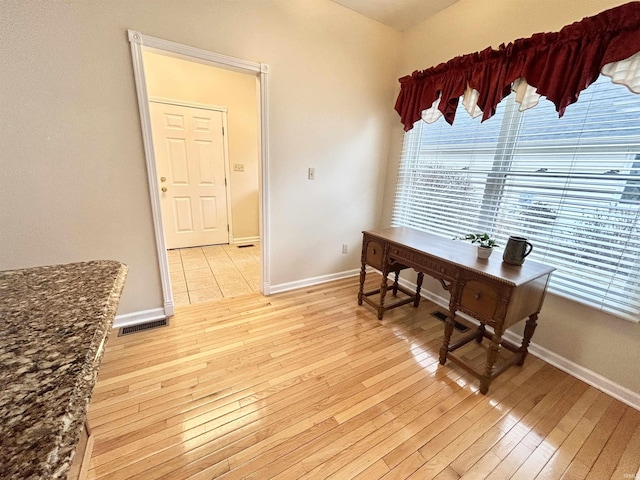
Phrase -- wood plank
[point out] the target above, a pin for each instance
(591, 448)
(628, 440)
(427, 431)
(307, 384)
(519, 455)
(618, 443)
(446, 447)
(552, 466)
(541, 420)
(525, 413)
(316, 452)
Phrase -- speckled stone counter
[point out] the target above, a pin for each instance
(53, 324)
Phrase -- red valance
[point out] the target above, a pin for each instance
(559, 65)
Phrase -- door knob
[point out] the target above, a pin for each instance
(163, 179)
(164, 189)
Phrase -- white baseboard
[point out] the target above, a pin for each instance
(594, 379)
(625, 395)
(144, 316)
(136, 318)
(307, 282)
(169, 308)
(246, 240)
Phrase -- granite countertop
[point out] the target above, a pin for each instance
(53, 324)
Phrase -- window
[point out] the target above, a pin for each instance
(569, 185)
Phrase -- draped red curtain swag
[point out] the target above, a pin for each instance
(559, 65)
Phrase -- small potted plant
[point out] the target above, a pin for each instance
(484, 241)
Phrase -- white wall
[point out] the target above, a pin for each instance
(72, 162)
(178, 79)
(599, 342)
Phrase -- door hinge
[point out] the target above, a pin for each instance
(223, 131)
(225, 181)
(228, 228)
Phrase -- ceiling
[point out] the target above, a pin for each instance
(399, 14)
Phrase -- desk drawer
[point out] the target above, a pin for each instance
(374, 254)
(480, 299)
(422, 263)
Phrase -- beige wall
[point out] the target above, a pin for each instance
(72, 161)
(602, 343)
(178, 79)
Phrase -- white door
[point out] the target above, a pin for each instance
(190, 158)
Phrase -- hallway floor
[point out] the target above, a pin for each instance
(200, 274)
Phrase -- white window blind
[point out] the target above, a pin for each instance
(570, 185)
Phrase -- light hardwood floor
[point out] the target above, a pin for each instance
(307, 384)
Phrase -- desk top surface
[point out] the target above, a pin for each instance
(463, 255)
(53, 321)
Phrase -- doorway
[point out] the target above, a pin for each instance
(202, 274)
(242, 246)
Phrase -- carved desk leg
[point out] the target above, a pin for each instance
(363, 274)
(395, 281)
(529, 328)
(416, 301)
(448, 330)
(492, 357)
(383, 291)
(480, 333)
(450, 322)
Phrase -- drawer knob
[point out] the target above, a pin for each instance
(373, 251)
(478, 295)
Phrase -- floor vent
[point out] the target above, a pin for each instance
(442, 317)
(245, 246)
(142, 327)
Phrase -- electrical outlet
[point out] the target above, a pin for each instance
(312, 173)
(238, 167)
(345, 248)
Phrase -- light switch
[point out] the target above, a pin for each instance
(312, 173)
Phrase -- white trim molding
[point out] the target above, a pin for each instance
(590, 377)
(246, 240)
(227, 176)
(169, 307)
(184, 103)
(139, 43)
(194, 52)
(135, 318)
(152, 177)
(264, 181)
(308, 282)
(144, 316)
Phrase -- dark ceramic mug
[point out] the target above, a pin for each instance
(516, 250)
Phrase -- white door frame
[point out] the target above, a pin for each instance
(225, 146)
(138, 42)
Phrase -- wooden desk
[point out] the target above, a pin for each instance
(494, 293)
